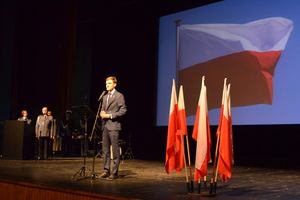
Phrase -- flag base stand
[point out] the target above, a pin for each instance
(203, 194)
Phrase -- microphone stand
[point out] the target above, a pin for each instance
(82, 170)
(95, 135)
(83, 111)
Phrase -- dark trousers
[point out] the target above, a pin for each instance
(111, 137)
(43, 147)
(66, 145)
(50, 149)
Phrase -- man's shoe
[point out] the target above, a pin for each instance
(105, 175)
(113, 176)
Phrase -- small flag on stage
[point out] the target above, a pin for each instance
(172, 131)
(183, 127)
(230, 125)
(201, 133)
(225, 162)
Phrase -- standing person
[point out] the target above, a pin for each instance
(24, 118)
(49, 113)
(113, 108)
(44, 131)
(66, 130)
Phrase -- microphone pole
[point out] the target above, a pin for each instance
(101, 96)
(95, 137)
(98, 112)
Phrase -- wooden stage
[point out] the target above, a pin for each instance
(138, 179)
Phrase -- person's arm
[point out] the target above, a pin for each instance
(82, 125)
(72, 128)
(122, 108)
(36, 128)
(52, 129)
(60, 129)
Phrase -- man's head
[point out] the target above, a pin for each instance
(49, 113)
(68, 114)
(44, 110)
(111, 83)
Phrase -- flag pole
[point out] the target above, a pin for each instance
(205, 184)
(215, 161)
(190, 166)
(216, 177)
(186, 173)
(218, 139)
(177, 52)
(199, 186)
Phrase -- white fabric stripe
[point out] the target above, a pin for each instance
(173, 98)
(202, 42)
(202, 131)
(181, 105)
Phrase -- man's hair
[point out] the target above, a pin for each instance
(113, 78)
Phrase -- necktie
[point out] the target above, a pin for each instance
(109, 96)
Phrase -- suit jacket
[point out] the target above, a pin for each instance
(24, 120)
(116, 108)
(66, 128)
(44, 126)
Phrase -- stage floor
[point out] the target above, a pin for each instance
(148, 179)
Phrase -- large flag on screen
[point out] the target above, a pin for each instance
(173, 127)
(201, 133)
(246, 54)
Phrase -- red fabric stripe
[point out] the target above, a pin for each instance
(241, 69)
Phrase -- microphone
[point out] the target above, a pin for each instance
(101, 96)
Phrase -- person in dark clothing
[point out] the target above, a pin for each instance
(66, 130)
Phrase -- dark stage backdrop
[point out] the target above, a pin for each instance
(70, 48)
(43, 57)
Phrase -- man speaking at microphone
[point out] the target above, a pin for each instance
(113, 108)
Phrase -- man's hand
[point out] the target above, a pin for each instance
(37, 136)
(104, 115)
(52, 137)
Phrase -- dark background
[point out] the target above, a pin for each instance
(58, 54)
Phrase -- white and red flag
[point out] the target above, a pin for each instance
(173, 127)
(222, 106)
(183, 128)
(224, 163)
(201, 133)
(244, 53)
(230, 125)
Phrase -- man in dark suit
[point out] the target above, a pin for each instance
(66, 130)
(44, 131)
(113, 108)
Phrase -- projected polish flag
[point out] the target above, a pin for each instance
(246, 54)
